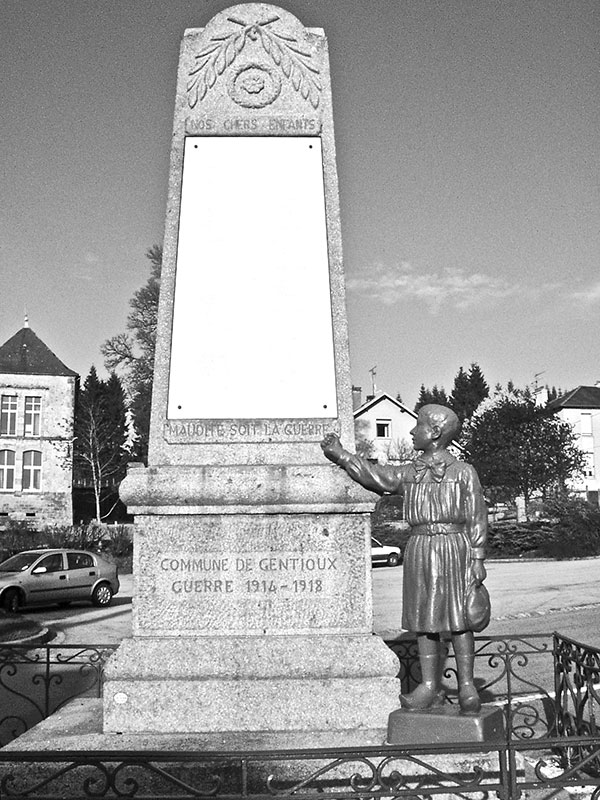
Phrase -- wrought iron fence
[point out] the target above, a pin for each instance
(547, 745)
(515, 674)
(577, 706)
(470, 770)
(36, 682)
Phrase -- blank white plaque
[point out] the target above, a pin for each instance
(252, 324)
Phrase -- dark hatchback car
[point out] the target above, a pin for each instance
(42, 577)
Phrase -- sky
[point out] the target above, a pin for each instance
(468, 153)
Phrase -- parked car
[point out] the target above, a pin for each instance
(384, 553)
(39, 577)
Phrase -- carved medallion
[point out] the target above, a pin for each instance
(254, 86)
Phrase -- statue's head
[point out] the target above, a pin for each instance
(442, 420)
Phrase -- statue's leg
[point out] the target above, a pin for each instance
(464, 649)
(429, 693)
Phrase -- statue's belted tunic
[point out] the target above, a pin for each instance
(445, 508)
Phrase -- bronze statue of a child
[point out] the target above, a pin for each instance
(445, 508)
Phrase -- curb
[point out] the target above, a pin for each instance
(44, 636)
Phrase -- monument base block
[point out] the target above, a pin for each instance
(447, 724)
(250, 684)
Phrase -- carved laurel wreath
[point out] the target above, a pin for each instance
(284, 50)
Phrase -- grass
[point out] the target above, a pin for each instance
(14, 627)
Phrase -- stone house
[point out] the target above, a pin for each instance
(37, 400)
(581, 409)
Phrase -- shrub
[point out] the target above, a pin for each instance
(575, 530)
(119, 542)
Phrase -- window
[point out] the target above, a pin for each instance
(53, 563)
(8, 415)
(383, 428)
(586, 424)
(79, 560)
(32, 470)
(588, 468)
(7, 470)
(33, 413)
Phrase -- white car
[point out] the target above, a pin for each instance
(384, 553)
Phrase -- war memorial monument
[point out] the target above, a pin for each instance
(252, 609)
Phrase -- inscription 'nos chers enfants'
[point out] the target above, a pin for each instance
(250, 125)
(289, 575)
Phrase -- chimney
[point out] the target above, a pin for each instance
(356, 397)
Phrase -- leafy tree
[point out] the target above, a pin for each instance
(99, 450)
(519, 448)
(132, 353)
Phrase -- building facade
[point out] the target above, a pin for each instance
(581, 409)
(37, 400)
(382, 428)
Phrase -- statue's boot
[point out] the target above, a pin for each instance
(429, 693)
(468, 696)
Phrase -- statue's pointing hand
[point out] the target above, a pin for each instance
(332, 447)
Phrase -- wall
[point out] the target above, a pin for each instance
(51, 503)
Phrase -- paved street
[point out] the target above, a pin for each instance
(527, 597)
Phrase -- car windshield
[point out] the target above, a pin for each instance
(19, 562)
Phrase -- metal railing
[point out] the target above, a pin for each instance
(545, 685)
(36, 682)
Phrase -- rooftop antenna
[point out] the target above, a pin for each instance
(536, 388)
(26, 318)
(373, 372)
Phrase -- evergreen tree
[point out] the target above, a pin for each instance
(427, 396)
(470, 389)
(460, 396)
(439, 396)
(478, 387)
(132, 353)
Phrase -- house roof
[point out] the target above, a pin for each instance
(377, 399)
(581, 397)
(26, 354)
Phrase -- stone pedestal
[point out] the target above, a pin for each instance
(252, 598)
(251, 616)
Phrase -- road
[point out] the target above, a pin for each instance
(82, 623)
(527, 597)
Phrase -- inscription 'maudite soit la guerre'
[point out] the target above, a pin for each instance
(251, 431)
(255, 574)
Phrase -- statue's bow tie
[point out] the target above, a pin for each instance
(437, 469)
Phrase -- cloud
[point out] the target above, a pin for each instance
(589, 296)
(455, 287)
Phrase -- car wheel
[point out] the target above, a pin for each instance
(102, 595)
(11, 601)
(393, 560)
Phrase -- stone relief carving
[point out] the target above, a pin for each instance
(252, 80)
(254, 86)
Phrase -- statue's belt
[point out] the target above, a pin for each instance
(433, 528)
